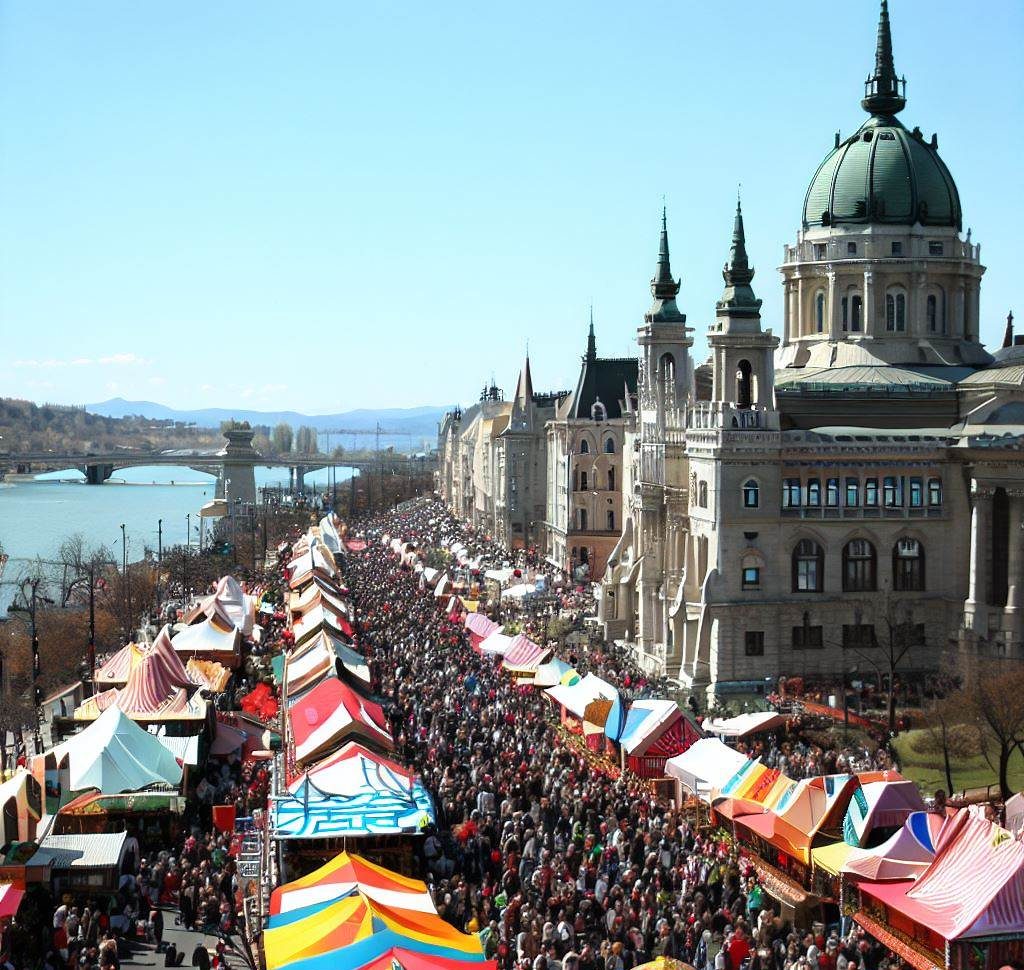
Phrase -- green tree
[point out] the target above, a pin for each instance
(281, 438)
(306, 440)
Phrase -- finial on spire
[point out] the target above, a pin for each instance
(1008, 333)
(737, 272)
(591, 339)
(882, 95)
(663, 286)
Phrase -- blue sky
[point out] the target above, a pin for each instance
(325, 205)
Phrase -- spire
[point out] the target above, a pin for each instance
(1008, 333)
(737, 273)
(882, 94)
(522, 411)
(591, 340)
(664, 289)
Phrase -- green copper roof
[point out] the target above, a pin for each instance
(883, 173)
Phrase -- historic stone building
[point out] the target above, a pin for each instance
(854, 489)
(585, 463)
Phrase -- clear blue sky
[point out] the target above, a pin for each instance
(325, 205)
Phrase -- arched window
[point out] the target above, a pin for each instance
(584, 482)
(702, 492)
(932, 313)
(584, 447)
(859, 573)
(609, 446)
(895, 312)
(819, 312)
(751, 494)
(611, 521)
(598, 412)
(583, 520)
(743, 395)
(907, 564)
(611, 479)
(808, 567)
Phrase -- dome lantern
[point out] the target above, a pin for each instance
(884, 93)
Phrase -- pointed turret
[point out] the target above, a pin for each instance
(1008, 333)
(664, 289)
(591, 339)
(882, 94)
(522, 403)
(738, 294)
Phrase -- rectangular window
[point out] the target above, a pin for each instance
(814, 492)
(897, 248)
(934, 248)
(807, 638)
(852, 493)
(846, 313)
(819, 250)
(754, 643)
(583, 481)
(871, 492)
(934, 491)
(892, 492)
(855, 306)
(832, 493)
(858, 636)
(916, 493)
(751, 577)
(791, 493)
(851, 249)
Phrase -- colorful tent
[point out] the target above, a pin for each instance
(400, 958)
(523, 655)
(321, 617)
(646, 721)
(319, 657)
(340, 876)
(114, 671)
(112, 755)
(320, 592)
(973, 888)
(743, 724)
(354, 793)
(480, 627)
(229, 604)
(356, 919)
(880, 805)
(331, 713)
(550, 674)
(706, 765)
(575, 698)
(208, 674)
(10, 898)
(906, 854)
(497, 644)
(214, 638)
(315, 561)
(21, 804)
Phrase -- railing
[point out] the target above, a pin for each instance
(859, 512)
(835, 249)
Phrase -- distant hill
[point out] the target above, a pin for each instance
(420, 422)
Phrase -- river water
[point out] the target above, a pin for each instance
(37, 516)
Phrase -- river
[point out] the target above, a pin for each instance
(37, 516)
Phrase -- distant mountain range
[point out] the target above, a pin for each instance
(419, 422)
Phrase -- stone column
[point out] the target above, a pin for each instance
(971, 309)
(959, 328)
(787, 294)
(981, 532)
(1015, 553)
(834, 315)
(798, 328)
(867, 310)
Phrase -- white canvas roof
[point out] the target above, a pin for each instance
(743, 724)
(576, 698)
(707, 764)
(82, 851)
(497, 643)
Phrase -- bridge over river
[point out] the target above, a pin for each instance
(234, 465)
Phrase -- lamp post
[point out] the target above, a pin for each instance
(31, 601)
(159, 558)
(129, 633)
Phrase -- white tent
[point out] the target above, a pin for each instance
(576, 698)
(497, 643)
(114, 755)
(519, 591)
(743, 724)
(707, 764)
(500, 575)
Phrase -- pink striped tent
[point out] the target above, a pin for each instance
(115, 669)
(524, 656)
(974, 887)
(480, 627)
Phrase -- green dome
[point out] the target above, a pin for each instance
(883, 174)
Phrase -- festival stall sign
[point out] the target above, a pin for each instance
(479, 627)
(113, 755)
(744, 725)
(706, 765)
(356, 792)
(210, 639)
(21, 802)
(332, 713)
(355, 929)
(114, 671)
(523, 656)
(906, 854)
(322, 656)
(880, 805)
(338, 877)
(968, 905)
(92, 860)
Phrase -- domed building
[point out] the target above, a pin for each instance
(852, 496)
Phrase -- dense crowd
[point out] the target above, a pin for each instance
(553, 860)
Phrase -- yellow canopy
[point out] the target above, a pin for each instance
(831, 857)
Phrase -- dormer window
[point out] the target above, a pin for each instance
(598, 412)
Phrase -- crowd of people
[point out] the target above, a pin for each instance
(554, 861)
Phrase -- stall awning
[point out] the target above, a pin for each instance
(915, 957)
(10, 899)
